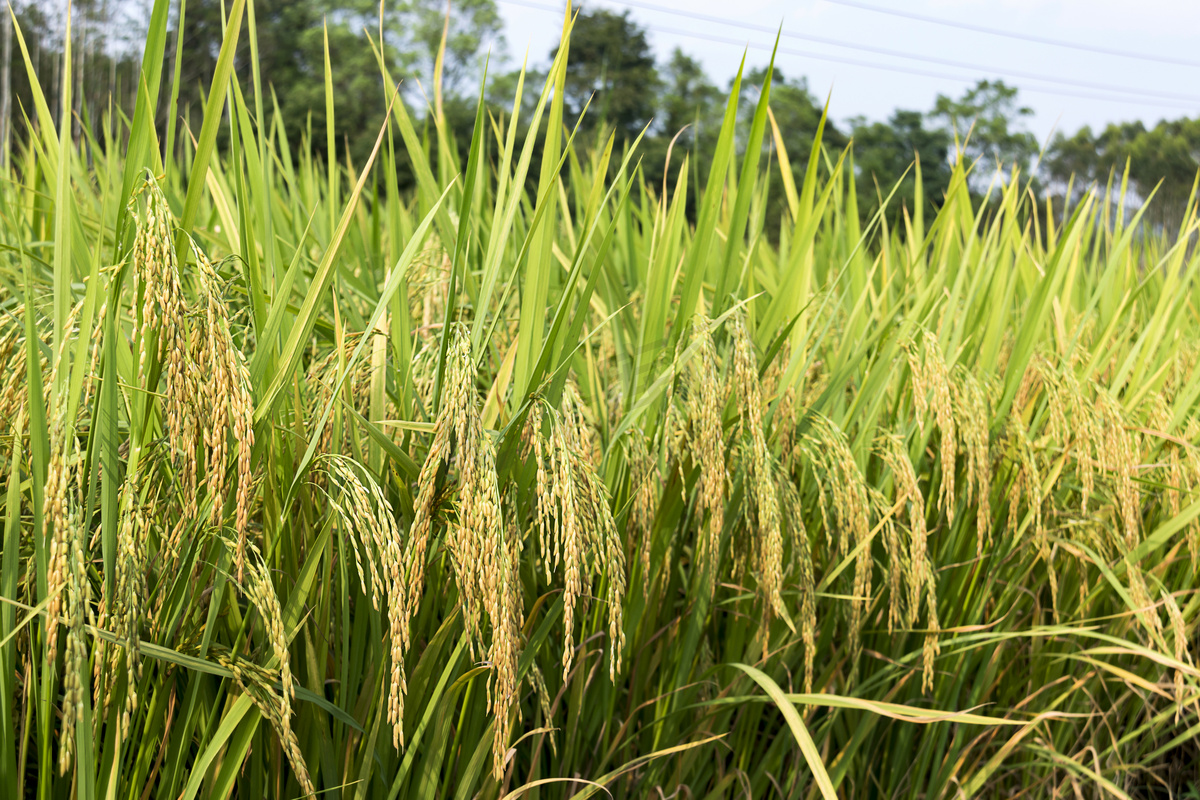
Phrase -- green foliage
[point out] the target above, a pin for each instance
(987, 119)
(613, 69)
(885, 151)
(689, 121)
(1163, 160)
(797, 112)
(289, 59)
(690, 99)
(472, 31)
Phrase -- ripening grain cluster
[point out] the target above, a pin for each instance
(573, 480)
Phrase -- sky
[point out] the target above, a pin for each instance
(838, 46)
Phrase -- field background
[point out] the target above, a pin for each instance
(554, 476)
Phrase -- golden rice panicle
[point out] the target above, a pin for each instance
(583, 531)
(13, 358)
(1118, 455)
(319, 379)
(1028, 388)
(932, 390)
(544, 491)
(784, 419)
(932, 647)
(458, 397)
(1170, 462)
(365, 514)
(567, 541)
(610, 553)
(972, 415)
(479, 513)
(646, 477)
(507, 612)
(485, 558)
(1027, 485)
(132, 557)
(768, 543)
(256, 683)
(56, 494)
(161, 331)
(485, 562)
(89, 377)
(476, 565)
(566, 545)
(1179, 639)
(842, 486)
(920, 391)
(156, 274)
(705, 407)
(1177, 466)
(78, 603)
(543, 695)
(1079, 427)
(916, 566)
(615, 587)
(103, 658)
(805, 575)
(674, 434)
(424, 365)
(1058, 402)
(261, 591)
(899, 565)
(351, 504)
(323, 375)
(575, 415)
(55, 504)
(785, 424)
(229, 405)
(1143, 604)
(842, 489)
(1191, 471)
(815, 383)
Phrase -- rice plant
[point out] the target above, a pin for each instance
(535, 485)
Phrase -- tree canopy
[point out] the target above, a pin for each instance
(612, 68)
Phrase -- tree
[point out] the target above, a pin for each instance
(798, 116)
(885, 151)
(690, 100)
(103, 66)
(689, 113)
(611, 64)
(1163, 159)
(1072, 157)
(990, 112)
(797, 113)
(291, 61)
(474, 30)
(1169, 152)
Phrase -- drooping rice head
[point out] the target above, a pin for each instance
(845, 505)
(765, 525)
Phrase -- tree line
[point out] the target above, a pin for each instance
(673, 105)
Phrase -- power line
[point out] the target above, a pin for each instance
(874, 65)
(884, 51)
(1026, 37)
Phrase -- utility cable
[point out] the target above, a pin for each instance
(877, 66)
(885, 51)
(1024, 37)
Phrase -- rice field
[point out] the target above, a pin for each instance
(528, 483)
